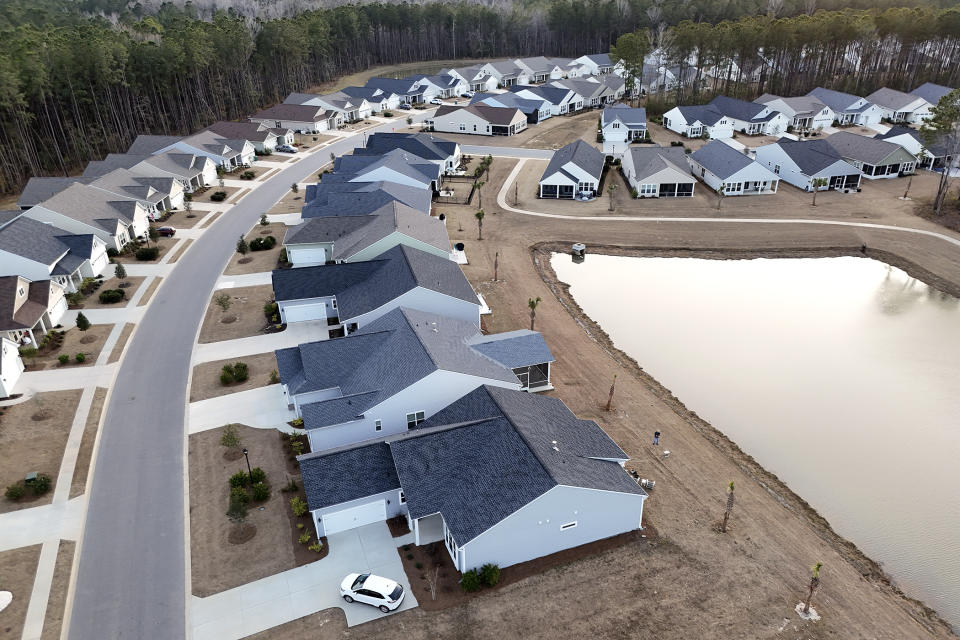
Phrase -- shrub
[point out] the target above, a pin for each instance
(272, 311)
(248, 175)
(226, 375)
(41, 485)
(274, 377)
(263, 244)
(74, 298)
(296, 422)
(223, 301)
(147, 253)
(298, 506)
(236, 372)
(490, 574)
(239, 479)
(15, 492)
(82, 323)
(239, 494)
(258, 475)
(63, 358)
(304, 538)
(300, 525)
(282, 258)
(261, 491)
(242, 246)
(28, 352)
(634, 193)
(290, 486)
(80, 357)
(110, 296)
(295, 187)
(418, 565)
(409, 556)
(316, 547)
(112, 253)
(120, 272)
(470, 581)
(297, 447)
(230, 438)
(218, 196)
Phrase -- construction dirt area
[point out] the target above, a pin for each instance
(693, 582)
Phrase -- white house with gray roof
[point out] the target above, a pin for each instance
(263, 138)
(539, 69)
(11, 366)
(621, 125)
(804, 112)
(897, 106)
(41, 251)
(351, 238)
(397, 166)
(297, 114)
(441, 152)
(695, 121)
(191, 171)
(800, 163)
(498, 476)
(228, 153)
(506, 72)
(396, 372)
(378, 99)
(562, 100)
(597, 63)
(874, 157)
(849, 109)
(574, 172)
(658, 172)
(930, 155)
(350, 295)
(725, 169)
(931, 92)
(751, 118)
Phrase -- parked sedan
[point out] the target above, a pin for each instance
(405, 106)
(167, 232)
(285, 148)
(436, 101)
(383, 593)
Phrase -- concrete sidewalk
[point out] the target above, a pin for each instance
(69, 378)
(244, 280)
(262, 408)
(263, 604)
(294, 334)
(36, 524)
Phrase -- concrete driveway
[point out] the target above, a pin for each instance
(262, 408)
(266, 603)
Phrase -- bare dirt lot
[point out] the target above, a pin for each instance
(244, 318)
(33, 436)
(552, 133)
(257, 261)
(19, 567)
(89, 343)
(217, 564)
(206, 377)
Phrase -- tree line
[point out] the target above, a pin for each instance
(79, 80)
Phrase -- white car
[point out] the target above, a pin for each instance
(383, 593)
(436, 101)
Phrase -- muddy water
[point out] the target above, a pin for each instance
(840, 375)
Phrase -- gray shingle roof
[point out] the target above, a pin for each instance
(39, 189)
(93, 207)
(936, 149)
(404, 87)
(403, 162)
(705, 113)
(252, 131)
(891, 98)
(339, 198)
(869, 150)
(508, 101)
(721, 159)
(492, 452)
(293, 113)
(837, 100)
(634, 118)
(602, 59)
(580, 153)
(34, 240)
(739, 109)
(340, 475)
(514, 349)
(649, 160)
(812, 156)
(553, 95)
(493, 115)
(420, 144)
(801, 105)
(147, 144)
(931, 92)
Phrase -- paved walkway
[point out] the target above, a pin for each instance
(244, 280)
(257, 606)
(61, 519)
(261, 408)
(67, 378)
(294, 334)
(506, 152)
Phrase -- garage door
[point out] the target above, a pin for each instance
(354, 517)
(305, 256)
(304, 312)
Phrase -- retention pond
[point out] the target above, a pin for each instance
(840, 375)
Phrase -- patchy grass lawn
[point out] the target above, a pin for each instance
(93, 300)
(204, 198)
(33, 436)
(291, 202)
(257, 261)
(85, 454)
(206, 377)
(216, 563)
(183, 219)
(57, 602)
(19, 568)
(244, 318)
(74, 341)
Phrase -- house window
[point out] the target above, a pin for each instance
(377, 425)
(403, 498)
(648, 189)
(569, 525)
(333, 303)
(413, 419)
(616, 125)
(776, 169)
(586, 186)
(20, 291)
(463, 127)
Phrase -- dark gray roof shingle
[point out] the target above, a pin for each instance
(581, 154)
(721, 159)
(931, 92)
(340, 475)
(514, 349)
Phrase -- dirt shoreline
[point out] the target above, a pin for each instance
(540, 254)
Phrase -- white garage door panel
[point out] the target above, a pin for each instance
(307, 256)
(353, 517)
(304, 312)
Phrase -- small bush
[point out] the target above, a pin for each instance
(263, 244)
(418, 565)
(296, 422)
(304, 538)
(387, 114)
(239, 494)
(298, 506)
(74, 298)
(41, 485)
(297, 447)
(239, 479)
(263, 220)
(82, 323)
(112, 253)
(226, 375)
(111, 296)
(230, 438)
(80, 357)
(634, 193)
(274, 377)
(290, 487)
(28, 352)
(240, 371)
(272, 312)
(15, 492)
(223, 301)
(147, 253)
(300, 525)
(258, 475)
(248, 175)
(242, 246)
(218, 196)
(261, 491)
(316, 547)
(409, 556)
(490, 574)
(63, 358)
(470, 581)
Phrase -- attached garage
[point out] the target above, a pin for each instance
(306, 255)
(302, 311)
(346, 519)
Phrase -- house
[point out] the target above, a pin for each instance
(478, 119)
(751, 118)
(432, 149)
(539, 69)
(574, 172)
(227, 153)
(191, 171)
(378, 99)
(81, 209)
(400, 369)
(351, 238)
(800, 163)
(804, 112)
(595, 93)
(506, 72)
(41, 251)
(29, 308)
(442, 85)
(535, 109)
(358, 198)
(347, 108)
(475, 77)
(303, 118)
(397, 166)
(156, 194)
(561, 99)
(40, 188)
(897, 106)
(725, 169)
(409, 90)
(11, 366)
(931, 92)
(847, 108)
(499, 477)
(932, 156)
(263, 138)
(697, 121)
(621, 125)
(874, 157)
(597, 63)
(658, 172)
(351, 295)
(658, 78)
(614, 83)
(571, 68)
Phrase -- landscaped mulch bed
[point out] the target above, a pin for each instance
(132, 284)
(206, 376)
(205, 196)
(398, 526)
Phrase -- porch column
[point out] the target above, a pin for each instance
(416, 531)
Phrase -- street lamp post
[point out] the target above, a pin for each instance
(249, 470)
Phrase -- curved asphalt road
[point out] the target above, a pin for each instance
(131, 577)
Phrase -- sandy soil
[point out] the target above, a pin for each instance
(257, 261)
(552, 133)
(216, 564)
(152, 289)
(33, 436)
(122, 341)
(88, 342)
(165, 244)
(179, 220)
(211, 220)
(291, 202)
(206, 376)
(247, 309)
(93, 300)
(205, 196)
(53, 621)
(180, 250)
(19, 566)
(308, 140)
(85, 454)
(663, 136)
(527, 187)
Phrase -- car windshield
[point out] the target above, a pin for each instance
(360, 580)
(396, 593)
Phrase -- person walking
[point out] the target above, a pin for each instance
(656, 437)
